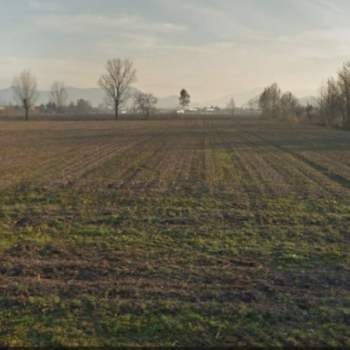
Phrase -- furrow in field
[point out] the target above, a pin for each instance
(329, 150)
(181, 174)
(330, 165)
(146, 176)
(301, 180)
(225, 175)
(66, 170)
(340, 156)
(275, 184)
(328, 182)
(117, 169)
(43, 164)
(169, 165)
(87, 165)
(250, 188)
(197, 172)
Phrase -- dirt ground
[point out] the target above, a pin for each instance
(199, 231)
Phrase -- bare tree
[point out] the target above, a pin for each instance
(58, 95)
(25, 91)
(145, 103)
(289, 105)
(344, 85)
(185, 98)
(116, 82)
(309, 110)
(232, 106)
(270, 102)
(253, 103)
(331, 102)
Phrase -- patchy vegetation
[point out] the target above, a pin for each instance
(188, 232)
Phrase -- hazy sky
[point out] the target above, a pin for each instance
(212, 47)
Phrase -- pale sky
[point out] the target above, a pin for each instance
(211, 47)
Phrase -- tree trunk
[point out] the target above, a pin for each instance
(27, 114)
(116, 110)
(347, 117)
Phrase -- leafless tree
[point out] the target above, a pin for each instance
(344, 85)
(145, 103)
(185, 98)
(116, 82)
(58, 95)
(232, 106)
(331, 102)
(25, 91)
(309, 111)
(253, 103)
(289, 105)
(270, 102)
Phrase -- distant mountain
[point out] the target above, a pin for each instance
(240, 98)
(94, 95)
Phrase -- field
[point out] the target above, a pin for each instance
(206, 231)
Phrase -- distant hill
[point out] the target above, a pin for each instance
(240, 98)
(94, 95)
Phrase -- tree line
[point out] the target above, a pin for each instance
(332, 107)
(116, 82)
(334, 100)
(274, 104)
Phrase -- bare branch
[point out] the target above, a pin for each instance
(58, 95)
(25, 91)
(116, 82)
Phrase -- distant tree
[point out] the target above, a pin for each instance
(83, 106)
(58, 95)
(344, 86)
(116, 82)
(50, 107)
(289, 105)
(145, 103)
(253, 103)
(232, 106)
(185, 98)
(25, 91)
(42, 108)
(270, 102)
(331, 102)
(309, 110)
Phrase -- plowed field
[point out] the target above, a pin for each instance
(178, 232)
